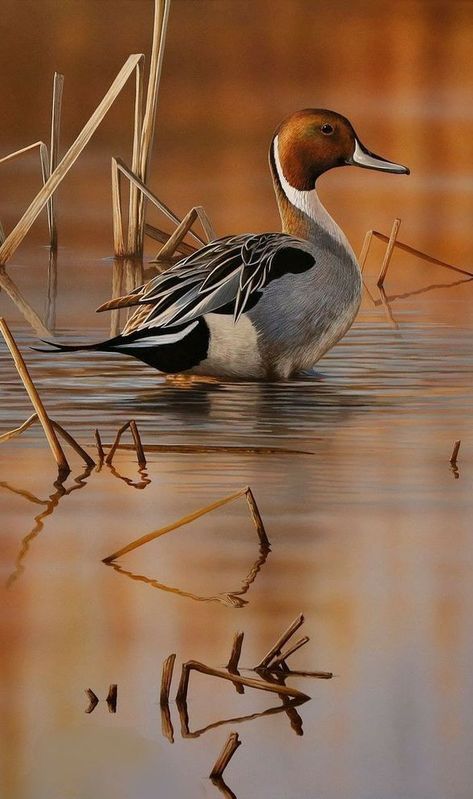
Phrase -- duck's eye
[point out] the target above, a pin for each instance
(327, 129)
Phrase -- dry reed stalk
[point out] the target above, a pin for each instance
(117, 291)
(117, 218)
(278, 661)
(58, 85)
(164, 258)
(261, 685)
(282, 640)
(134, 179)
(137, 210)
(10, 288)
(93, 700)
(321, 675)
(22, 227)
(140, 455)
(166, 679)
(365, 248)
(231, 745)
(454, 456)
(406, 248)
(173, 242)
(19, 430)
(98, 442)
(51, 290)
(45, 169)
(234, 659)
(113, 449)
(73, 443)
(389, 251)
(160, 235)
(191, 517)
(56, 449)
(257, 520)
(135, 165)
(112, 698)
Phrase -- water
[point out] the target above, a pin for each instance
(370, 538)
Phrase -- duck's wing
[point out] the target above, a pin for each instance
(228, 275)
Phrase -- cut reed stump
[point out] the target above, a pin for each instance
(234, 659)
(166, 679)
(455, 451)
(140, 455)
(231, 745)
(282, 640)
(112, 698)
(93, 700)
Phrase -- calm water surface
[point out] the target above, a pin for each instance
(370, 533)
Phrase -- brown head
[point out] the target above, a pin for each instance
(312, 141)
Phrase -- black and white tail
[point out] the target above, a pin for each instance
(171, 350)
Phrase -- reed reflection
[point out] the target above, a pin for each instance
(232, 599)
(50, 506)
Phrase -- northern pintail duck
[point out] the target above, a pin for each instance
(264, 305)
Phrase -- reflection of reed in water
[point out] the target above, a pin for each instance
(231, 598)
(50, 506)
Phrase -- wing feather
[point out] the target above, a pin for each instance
(229, 273)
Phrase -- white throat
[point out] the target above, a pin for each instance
(308, 202)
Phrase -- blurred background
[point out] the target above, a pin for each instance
(402, 73)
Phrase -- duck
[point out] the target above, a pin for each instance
(260, 306)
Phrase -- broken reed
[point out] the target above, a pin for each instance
(392, 243)
(264, 541)
(234, 659)
(455, 451)
(231, 745)
(166, 679)
(282, 640)
(236, 679)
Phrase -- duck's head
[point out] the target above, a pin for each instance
(312, 141)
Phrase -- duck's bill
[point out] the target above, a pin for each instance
(362, 157)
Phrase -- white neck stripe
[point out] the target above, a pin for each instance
(308, 202)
